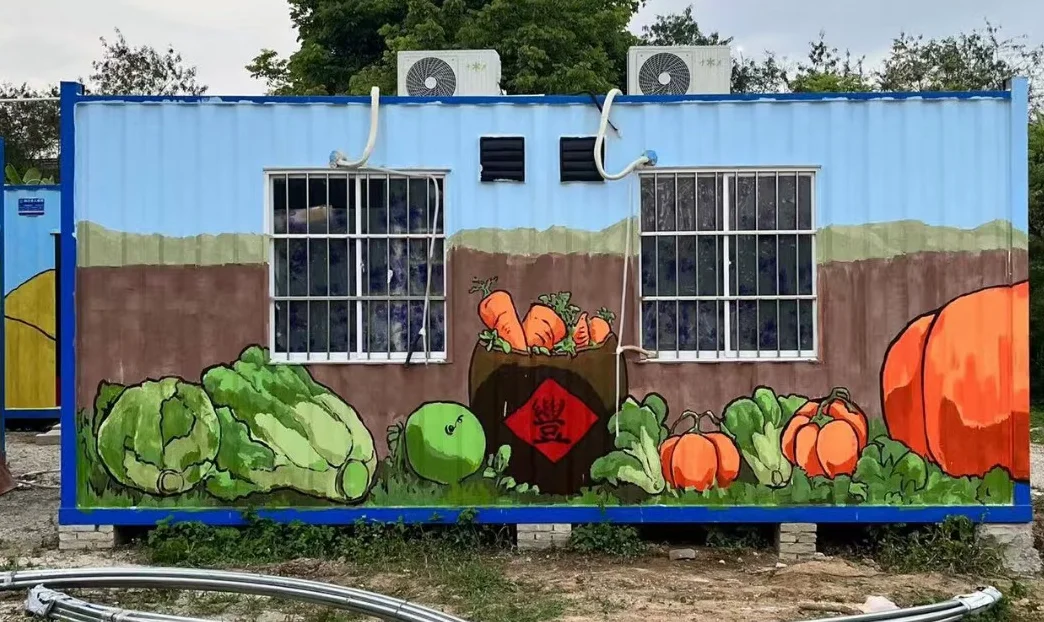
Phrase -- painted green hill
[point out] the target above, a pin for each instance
(99, 246)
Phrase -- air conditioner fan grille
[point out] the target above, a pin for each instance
(664, 74)
(431, 77)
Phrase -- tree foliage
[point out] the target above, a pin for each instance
(545, 46)
(30, 128)
(127, 70)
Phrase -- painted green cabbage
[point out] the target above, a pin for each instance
(160, 437)
(284, 431)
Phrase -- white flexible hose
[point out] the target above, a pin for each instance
(337, 160)
(623, 295)
(646, 159)
(600, 140)
(375, 102)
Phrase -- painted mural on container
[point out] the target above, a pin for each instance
(30, 314)
(813, 322)
(541, 427)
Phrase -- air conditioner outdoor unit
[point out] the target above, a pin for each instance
(450, 72)
(679, 70)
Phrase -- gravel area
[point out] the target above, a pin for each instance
(29, 512)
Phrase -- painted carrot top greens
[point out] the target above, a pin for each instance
(553, 325)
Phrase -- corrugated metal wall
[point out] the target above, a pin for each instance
(31, 219)
(187, 169)
(912, 207)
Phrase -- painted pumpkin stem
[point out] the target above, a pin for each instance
(837, 394)
(688, 414)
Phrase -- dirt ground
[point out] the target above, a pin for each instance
(716, 586)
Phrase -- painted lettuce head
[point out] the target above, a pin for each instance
(160, 437)
(283, 430)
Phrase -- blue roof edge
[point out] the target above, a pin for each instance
(466, 100)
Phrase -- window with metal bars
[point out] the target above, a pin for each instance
(350, 265)
(728, 264)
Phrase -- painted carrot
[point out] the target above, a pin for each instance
(601, 326)
(543, 327)
(497, 312)
(581, 332)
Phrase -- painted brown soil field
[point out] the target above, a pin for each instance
(150, 321)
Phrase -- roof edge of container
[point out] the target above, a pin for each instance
(553, 100)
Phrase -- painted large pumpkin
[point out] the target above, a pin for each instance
(955, 383)
(696, 461)
(825, 437)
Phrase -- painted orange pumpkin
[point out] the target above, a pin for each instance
(825, 437)
(694, 460)
(955, 383)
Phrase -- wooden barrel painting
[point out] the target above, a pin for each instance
(545, 385)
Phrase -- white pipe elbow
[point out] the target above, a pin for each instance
(337, 158)
(646, 158)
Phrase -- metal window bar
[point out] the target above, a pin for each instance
(797, 253)
(328, 208)
(779, 341)
(286, 306)
(656, 263)
(308, 270)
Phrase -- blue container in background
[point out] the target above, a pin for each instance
(30, 352)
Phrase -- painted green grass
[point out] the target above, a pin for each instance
(398, 489)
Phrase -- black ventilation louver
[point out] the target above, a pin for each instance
(576, 159)
(502, 158)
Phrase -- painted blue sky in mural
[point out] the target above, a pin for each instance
(28, 244)
(179, 169)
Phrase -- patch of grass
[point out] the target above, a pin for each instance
(460, 566)
(607, 539)
(1037, 425)
(952, 547)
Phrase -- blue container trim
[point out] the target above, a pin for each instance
(11, 414)
(555, 100)
(1018, 513)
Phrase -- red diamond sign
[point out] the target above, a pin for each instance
(553, 420)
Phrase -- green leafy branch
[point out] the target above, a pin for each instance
(31, 177)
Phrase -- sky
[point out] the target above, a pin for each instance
(58, 39)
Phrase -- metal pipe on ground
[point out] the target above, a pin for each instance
(351, 599)
(946, 611)
(47, 603)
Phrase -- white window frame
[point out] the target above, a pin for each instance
(729, 353)
(357, 355)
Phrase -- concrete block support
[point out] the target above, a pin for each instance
(86, 537)
(796, 541)
(1015, 544)
(533, 537)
